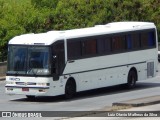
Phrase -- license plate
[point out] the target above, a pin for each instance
(25, 89)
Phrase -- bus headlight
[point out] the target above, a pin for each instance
(10, 82)
(43, 84)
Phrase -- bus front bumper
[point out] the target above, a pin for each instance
(36, 91)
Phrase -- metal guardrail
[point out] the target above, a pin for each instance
(3, 68)
(3, 56)
(3, 63)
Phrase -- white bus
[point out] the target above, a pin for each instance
(70, 61)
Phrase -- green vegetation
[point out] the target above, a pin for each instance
(26, 16)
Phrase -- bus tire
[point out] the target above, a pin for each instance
(132, 78)
(70, 89)
(30, 97)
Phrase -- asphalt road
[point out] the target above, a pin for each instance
(85, 101)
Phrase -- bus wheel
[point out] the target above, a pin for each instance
(70, 89)
(30, 97)
(132, 78)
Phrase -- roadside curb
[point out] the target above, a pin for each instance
(124, 105)
(139, 102)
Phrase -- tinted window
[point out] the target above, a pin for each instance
(151, 39)
(129, 41)
(118, 43)
(110, 44)
(17, 59)
(107, 45)
(58, 57)
(141, 40)
(135, 40)
(103, 45)
(74, 49)
(89, 47)
(29, 60)
(144, 39)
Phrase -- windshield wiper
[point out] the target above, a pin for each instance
(15, 73)
(31, 70)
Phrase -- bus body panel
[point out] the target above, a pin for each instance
(114, 73)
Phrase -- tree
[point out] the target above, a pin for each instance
(77, 13)
(45, 3)
(26, 16)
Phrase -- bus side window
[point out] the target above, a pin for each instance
(107, 45)
(74, 49)
(144, 39)
(101, 46)
(118, 43)
(89, 47)
(104, 45)
(151, 39)
(129, 42)
(135, 40)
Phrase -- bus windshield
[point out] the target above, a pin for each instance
(32, 60)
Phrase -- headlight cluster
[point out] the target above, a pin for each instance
(43, 84)
(10, 82)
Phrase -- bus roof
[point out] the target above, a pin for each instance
(52, 36)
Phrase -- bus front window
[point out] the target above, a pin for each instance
(28, 60)
(17, 59)
(39, 62)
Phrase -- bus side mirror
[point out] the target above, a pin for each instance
(54, 57)
(55, 77)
